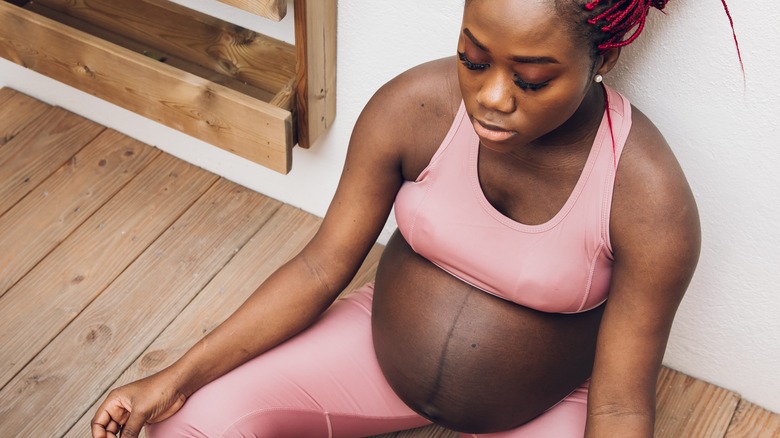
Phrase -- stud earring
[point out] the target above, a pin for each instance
(598, 79)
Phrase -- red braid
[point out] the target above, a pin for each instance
(734, 34)
(617, 20)
(620, 18)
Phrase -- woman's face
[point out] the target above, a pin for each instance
(522, 74)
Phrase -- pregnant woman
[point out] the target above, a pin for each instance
(546, 237)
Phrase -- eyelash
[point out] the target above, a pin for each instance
(470, 65)
(523, 85)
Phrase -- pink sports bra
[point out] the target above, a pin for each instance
(562, 266)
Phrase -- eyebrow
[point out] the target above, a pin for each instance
(520, 59)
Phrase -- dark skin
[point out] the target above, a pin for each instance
(534, 358)
(459, 366)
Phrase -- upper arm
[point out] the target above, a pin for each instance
(385, 135)
(656, 238)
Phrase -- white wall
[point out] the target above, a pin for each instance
(683, 73)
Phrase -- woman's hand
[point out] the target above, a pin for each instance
(130, 407)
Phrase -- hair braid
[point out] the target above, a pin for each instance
(734, 34)
(615, 19)
(619, 19)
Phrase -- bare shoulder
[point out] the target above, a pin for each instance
(652, 196)
(412, 112)
(399, 120)
(429, 90)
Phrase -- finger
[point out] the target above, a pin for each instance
(111, 411)
(100, 421)
(98, 431)
(134, 424)
(110, 431)
(113, 427)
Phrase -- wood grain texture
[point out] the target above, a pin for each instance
(223, 47)
(53, 293)
(153, 53)
(16, 111)
(47, 215)
(271, 9)
(228, 86)
(284, 99)
(5, 94)
(213, 113)
(315, 36)
(94, 350)
(47, 143)
(276, 242)
(687, 407)
(752, 421)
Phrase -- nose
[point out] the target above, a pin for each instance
(496, 93)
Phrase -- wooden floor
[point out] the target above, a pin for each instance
(115, 258)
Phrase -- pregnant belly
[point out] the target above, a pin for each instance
(466, 359)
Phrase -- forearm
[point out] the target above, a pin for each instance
(619, 407)
(289, 301)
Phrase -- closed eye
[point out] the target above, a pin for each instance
(522, 84)
(529, 86)
(471, 65)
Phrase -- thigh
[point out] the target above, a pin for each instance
(324, 382)
(564, 420)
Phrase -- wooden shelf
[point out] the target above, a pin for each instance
(271, 9)
(234, 88)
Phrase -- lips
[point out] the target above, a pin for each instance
(491, 132)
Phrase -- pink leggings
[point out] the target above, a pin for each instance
(326, 382)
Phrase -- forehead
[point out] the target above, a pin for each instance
(521, 27)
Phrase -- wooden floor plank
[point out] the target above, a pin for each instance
(40, 221)
(751, 421)
(5, 94)
(94, 350)
(16, 111)
(688, 407)
(43, 302)
(43, 147)
(280, 239)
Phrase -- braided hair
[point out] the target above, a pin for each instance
(617, 23)
(618, 19)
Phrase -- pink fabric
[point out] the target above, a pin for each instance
(561, 266)
(326, 382)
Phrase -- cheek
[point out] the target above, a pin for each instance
(558, 105)
(469, 85)
(563, 105)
